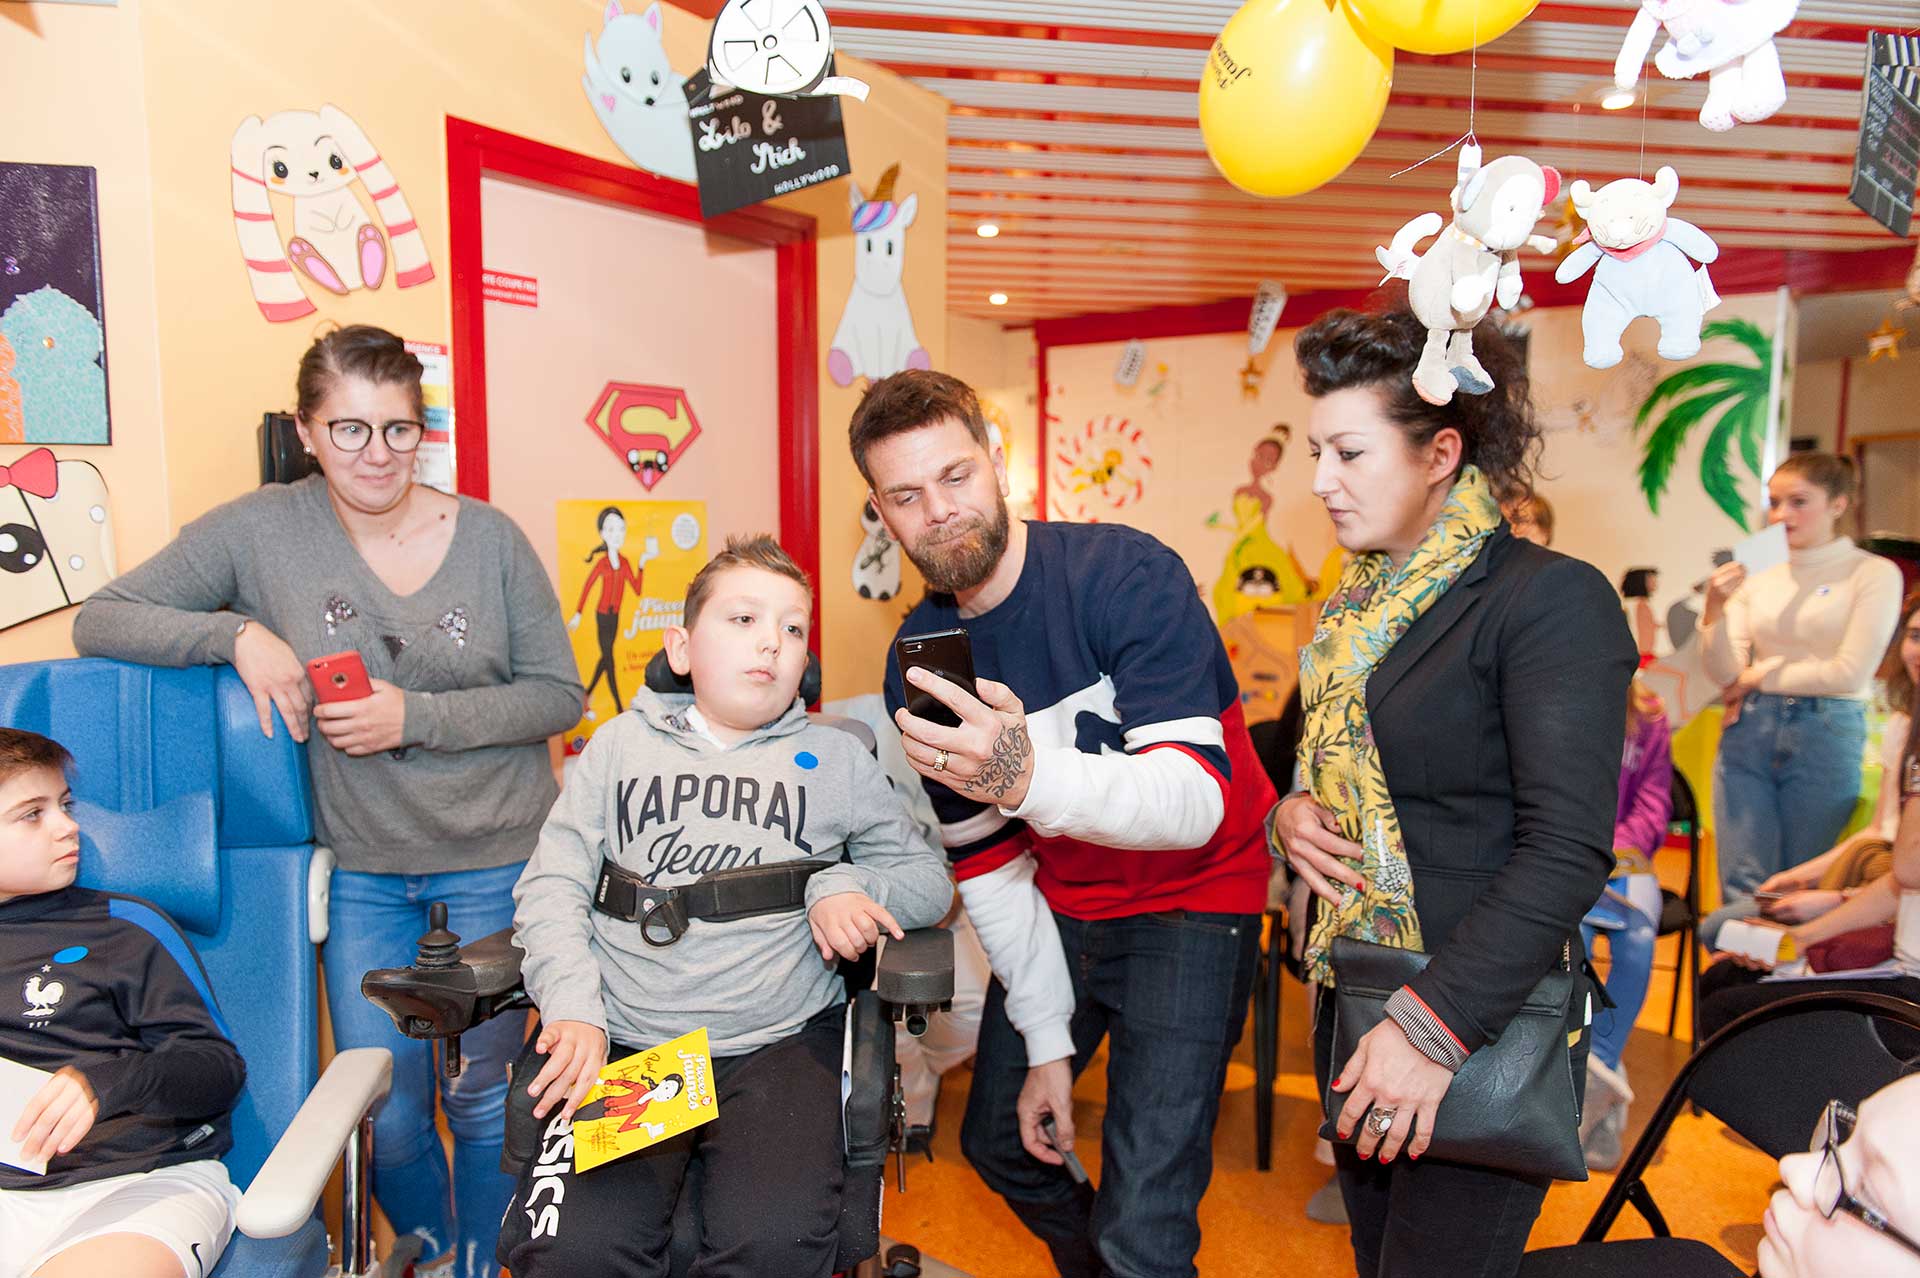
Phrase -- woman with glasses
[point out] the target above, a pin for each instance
(434, 787)
(1851, 1204)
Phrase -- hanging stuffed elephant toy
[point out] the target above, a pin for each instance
(1642, 263)
(1474, 264)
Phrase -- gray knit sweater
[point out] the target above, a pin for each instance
(480, 651)
(656, 797)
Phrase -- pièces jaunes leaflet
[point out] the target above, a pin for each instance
(645, 1098)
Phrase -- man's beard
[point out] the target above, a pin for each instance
(960, 560)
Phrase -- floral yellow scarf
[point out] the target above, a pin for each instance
(1368, 612)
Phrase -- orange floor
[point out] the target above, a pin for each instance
(1710, 1184)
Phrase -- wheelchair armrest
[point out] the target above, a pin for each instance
(915, 975)
(447, 998)
(282, 1196)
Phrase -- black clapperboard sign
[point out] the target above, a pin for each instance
(748, 148)
(1887, 164)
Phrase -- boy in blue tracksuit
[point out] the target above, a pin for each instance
(102, 992)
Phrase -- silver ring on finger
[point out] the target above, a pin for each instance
(1380, 1121)
(940, 760)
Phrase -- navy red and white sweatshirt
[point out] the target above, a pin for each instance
(107, 984)
(1146, 793)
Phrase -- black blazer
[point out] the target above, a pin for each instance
(1500, 718)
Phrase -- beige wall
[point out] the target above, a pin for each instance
(1200, 430)
(1881, 398)
(76, 70)
(999, 363)
(151, 93)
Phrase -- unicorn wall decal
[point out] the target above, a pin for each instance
(316, 157)
(876, 338)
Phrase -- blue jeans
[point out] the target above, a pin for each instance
(1169, 992)
(1628, 913)
(1786, 781)
(374, 921)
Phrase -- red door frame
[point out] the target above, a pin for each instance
(474, 149)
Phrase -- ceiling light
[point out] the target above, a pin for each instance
(1618, 100)
(996, 299)
(987, 230)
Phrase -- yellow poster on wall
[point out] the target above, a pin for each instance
(624, 571)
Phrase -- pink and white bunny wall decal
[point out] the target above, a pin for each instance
(315, 158)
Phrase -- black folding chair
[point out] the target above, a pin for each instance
(1274, 742)
(1768, 1076)
(1680, 911)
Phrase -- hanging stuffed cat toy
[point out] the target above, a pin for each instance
(1642, 263)
(1731, 40)
(1474, 263)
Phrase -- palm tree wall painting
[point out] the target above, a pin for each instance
(1731, 400)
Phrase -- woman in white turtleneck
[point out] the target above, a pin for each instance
(1795, 647)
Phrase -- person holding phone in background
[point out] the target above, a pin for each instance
(1102, 805)
(431, 788)
(1795, 649)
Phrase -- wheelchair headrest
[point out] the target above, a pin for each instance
(661, 678)
(165, 854)
(169, 766)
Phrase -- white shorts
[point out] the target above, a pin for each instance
(189, 1207)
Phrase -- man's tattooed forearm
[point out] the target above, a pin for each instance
(1003, 768)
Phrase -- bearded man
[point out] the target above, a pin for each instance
(1108, 841)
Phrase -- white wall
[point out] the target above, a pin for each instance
(1200, 430)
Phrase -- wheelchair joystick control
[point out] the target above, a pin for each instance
(436, 950)
(437, 947)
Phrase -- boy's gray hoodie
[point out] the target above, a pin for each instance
(663, 801)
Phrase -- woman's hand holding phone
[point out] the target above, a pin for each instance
(368, 725)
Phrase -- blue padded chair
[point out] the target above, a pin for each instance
(181, 800)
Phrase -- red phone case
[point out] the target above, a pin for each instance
(339, 677)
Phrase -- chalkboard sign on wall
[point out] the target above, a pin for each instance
(748, 148)
(1887, 164)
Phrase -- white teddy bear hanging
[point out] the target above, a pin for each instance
(1731, 40)
(1642, 262)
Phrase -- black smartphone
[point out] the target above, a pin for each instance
(947, 653)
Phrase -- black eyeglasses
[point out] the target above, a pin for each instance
(1830, 1192)
(351, 435)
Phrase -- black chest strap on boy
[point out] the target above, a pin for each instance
(742, 892)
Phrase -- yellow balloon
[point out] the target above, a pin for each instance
(1292, 92)
(1439, 26)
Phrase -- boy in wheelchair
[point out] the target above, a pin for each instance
(673, 791)
(132, 1122)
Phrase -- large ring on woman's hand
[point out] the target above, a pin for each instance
(1380, 1121)
(940, 761)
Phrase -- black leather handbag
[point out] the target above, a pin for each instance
(1515, 1104)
